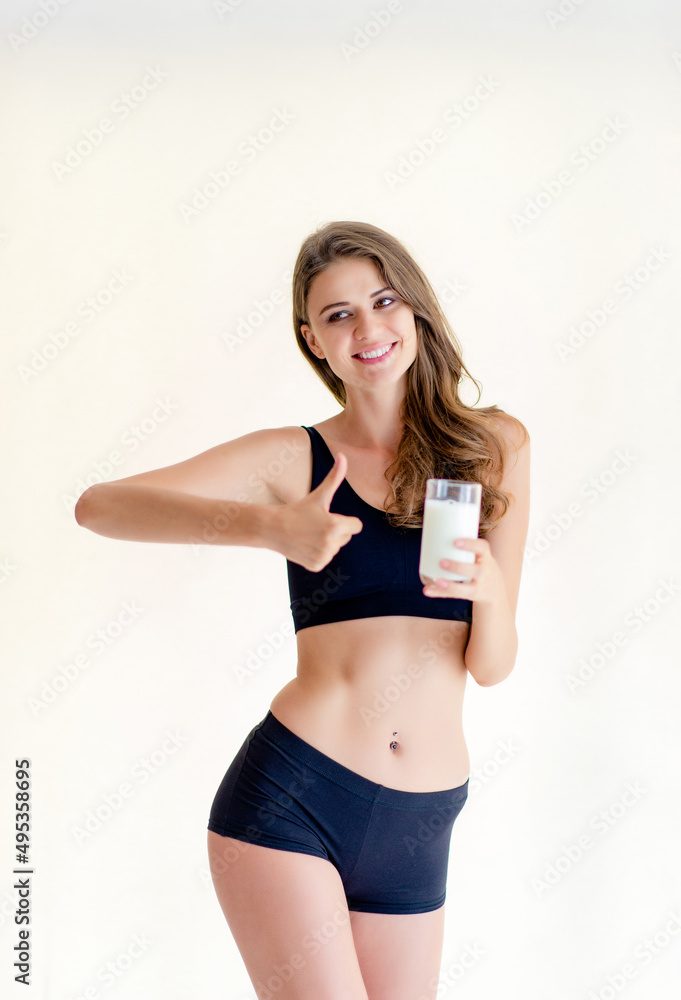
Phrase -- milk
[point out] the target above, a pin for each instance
(443, 522)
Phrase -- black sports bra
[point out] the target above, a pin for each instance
(374, 574)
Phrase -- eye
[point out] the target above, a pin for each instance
(384, 298)
(330, 317)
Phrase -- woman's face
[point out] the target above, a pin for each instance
(351, 313)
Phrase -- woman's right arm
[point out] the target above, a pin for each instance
(233, 494)
(139, 513)
(227, 495)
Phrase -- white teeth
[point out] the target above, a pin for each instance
(376, 354)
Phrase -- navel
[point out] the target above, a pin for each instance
(393, 743)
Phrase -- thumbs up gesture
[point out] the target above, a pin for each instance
(307, 532)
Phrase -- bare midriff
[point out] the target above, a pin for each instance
(360, 682)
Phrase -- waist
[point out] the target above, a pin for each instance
(360, 682)
(364, 649)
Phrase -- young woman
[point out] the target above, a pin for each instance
(329, 835)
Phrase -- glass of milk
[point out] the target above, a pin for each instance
(451, 510)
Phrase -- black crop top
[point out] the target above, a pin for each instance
(376, 573)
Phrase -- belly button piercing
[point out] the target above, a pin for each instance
(393, 744)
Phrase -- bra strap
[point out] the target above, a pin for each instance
(322, 459)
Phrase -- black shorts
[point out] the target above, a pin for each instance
(390, 847)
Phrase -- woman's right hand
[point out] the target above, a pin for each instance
(306, 532)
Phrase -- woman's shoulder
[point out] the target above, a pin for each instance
(511, 428)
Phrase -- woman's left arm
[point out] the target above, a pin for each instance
(495, 576)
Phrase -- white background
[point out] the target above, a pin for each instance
(524, 288)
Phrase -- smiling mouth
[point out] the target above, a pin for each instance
(377, 354)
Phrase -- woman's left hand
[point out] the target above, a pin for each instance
(487, 582)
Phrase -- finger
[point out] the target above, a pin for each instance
(445, 588)
(354, 524)
(323, 493)
(462, 567)
(438, 589)
(471, 544)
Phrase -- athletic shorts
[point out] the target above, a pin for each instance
(390, 847)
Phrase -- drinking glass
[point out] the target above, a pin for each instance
(451, 510)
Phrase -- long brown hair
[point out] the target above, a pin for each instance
(443, 437)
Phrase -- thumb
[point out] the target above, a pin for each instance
(324, 492)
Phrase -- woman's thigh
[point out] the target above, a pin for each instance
(288, 915)
(399, 955)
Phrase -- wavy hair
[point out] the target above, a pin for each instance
(443, 437)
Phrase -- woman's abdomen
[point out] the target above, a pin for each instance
(358, 690)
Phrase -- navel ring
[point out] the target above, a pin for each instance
(393, 744)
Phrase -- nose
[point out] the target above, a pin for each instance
(368, 324)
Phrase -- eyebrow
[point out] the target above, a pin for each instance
(372, 296)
